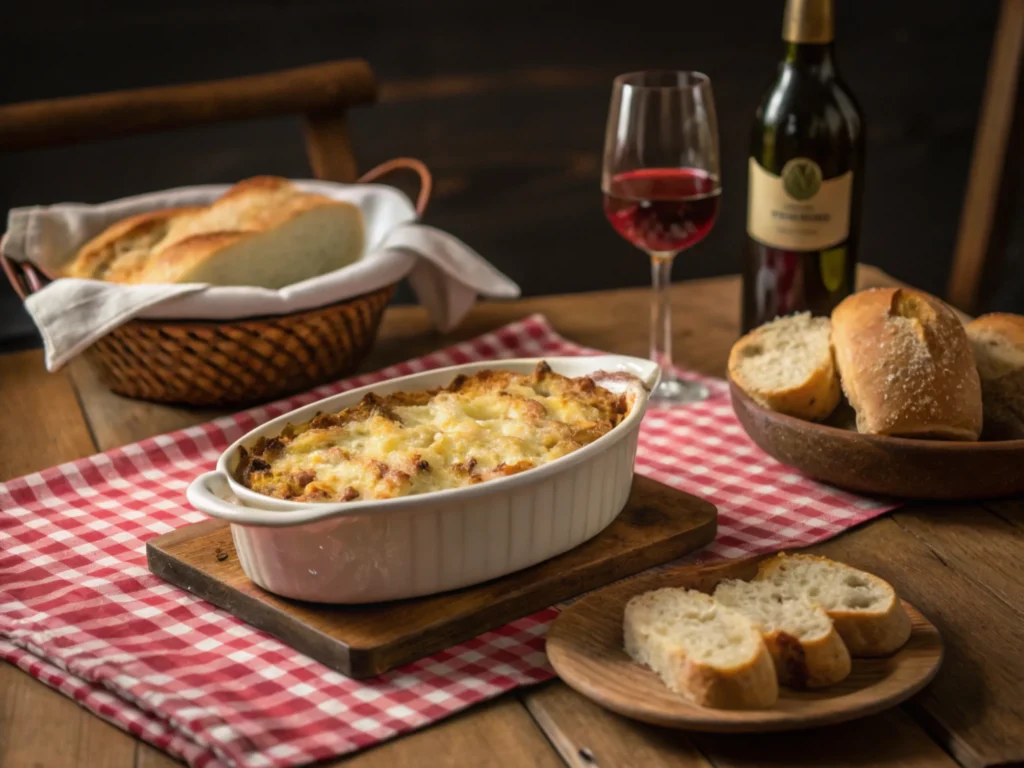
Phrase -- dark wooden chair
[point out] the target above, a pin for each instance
(323, 93)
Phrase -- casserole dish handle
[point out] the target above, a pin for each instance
(206, 501)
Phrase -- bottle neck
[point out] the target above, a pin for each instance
(815, 59)
(809, 22)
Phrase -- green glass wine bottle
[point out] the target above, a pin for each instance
(806, 176)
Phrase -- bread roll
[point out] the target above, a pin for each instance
(906, 365)
(786, 366)
(262, 232)
(998, 342)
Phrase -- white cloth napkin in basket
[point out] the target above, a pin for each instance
(445, 273)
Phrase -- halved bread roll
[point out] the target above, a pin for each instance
(865, 609)
(803, 642)
(786, 366)
(709, 653)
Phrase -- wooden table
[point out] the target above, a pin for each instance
(959, 563)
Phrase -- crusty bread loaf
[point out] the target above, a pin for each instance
(906, 365)
(803, 642)
(865, 609)
(998, 342)
(263, 232)
(701, 649)
(786, 366)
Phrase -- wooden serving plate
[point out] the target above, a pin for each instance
(584, 646)
(888, 466)
(658, 524)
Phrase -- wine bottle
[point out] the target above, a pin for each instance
(805, 178)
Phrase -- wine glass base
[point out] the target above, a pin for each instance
(678, 392)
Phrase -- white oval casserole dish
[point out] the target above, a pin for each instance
(374, 550)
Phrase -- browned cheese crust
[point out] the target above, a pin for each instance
(489, 425)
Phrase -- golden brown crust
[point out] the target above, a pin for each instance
(1008, 325)
(284, 466)
(754, 686)
(169, 264)
(883, 635)
(814, 664)
(96, 257)
(906, 365)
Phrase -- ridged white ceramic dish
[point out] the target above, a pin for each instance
(368, 551)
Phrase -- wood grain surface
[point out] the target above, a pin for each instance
(890, 739)
(973, 707)
(658, 524)
(584, 645)
(957, 562)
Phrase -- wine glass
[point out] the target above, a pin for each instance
(661, 189)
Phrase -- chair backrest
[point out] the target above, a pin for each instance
(982, 219)
(321, 92)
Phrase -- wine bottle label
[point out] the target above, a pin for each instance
(798, 210)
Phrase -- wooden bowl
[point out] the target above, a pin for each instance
(888, 466)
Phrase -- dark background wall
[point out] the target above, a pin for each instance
(506, 103)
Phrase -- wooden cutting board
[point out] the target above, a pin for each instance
(658, 524)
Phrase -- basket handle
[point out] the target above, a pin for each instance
(405, 163)
(25, 278)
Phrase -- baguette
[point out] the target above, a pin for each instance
(906, 365)
(865, 609)
(263, 232)
(998, 343)
(803, 642)
(786, 366)
(701, 649)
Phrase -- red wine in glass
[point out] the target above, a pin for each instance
(662, 210)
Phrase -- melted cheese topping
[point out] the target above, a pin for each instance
(493, 424)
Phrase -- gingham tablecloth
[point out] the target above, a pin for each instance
(80, 611)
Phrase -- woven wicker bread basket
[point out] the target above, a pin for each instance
(236, 362)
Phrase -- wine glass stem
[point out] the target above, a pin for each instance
(661, 312)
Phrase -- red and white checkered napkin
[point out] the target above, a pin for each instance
(80, 611)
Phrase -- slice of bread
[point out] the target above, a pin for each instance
(998, 343)
(803, 642)
(701, 649)
(786, 366)
(865, 609)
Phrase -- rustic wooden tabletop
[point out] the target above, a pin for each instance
(959, 563)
